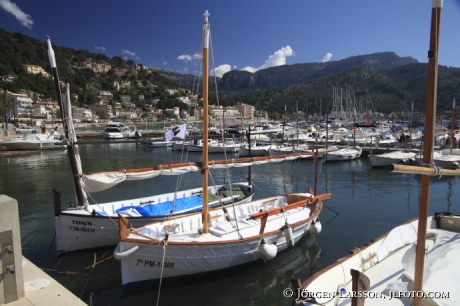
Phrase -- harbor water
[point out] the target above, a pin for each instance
(365, 204)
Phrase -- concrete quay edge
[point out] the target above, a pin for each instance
(40, 289)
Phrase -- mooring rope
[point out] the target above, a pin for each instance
(86, 284)
(437, 170)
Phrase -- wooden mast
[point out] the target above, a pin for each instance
(428, 146)
(204, 171)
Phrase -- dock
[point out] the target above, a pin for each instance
(22, 283)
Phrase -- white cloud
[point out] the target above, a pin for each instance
(164, 63)
(276, 59)
(186, 58)
(221, 70)
(97, 48)
(250, 69)
(13, 9)
(326, 58)
(131, 53)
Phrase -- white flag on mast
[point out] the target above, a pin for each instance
(182, 131)
(169, 135)
(177, 132)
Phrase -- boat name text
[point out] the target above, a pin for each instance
(76, 222)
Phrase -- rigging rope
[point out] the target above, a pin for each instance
(165, 244)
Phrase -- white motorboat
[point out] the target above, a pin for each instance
(47, 141)
(228, 146)
(280, 149)
(112, 133)
(344, 154)
(440, 159)
(254, 150)
(396, 157)
(130, 133)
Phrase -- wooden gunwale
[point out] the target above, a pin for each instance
(157, 241)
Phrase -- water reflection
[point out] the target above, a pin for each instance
(365, 204)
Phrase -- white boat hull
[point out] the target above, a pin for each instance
(445, 161)
(344, 154)
(34, 142)
(255, 151)
(159, 144)
(385, 159)
(79, 229)
(384, 261)
(190, 253)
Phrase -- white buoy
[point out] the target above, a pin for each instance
(315, 227)
(288, 235)
(267, 251)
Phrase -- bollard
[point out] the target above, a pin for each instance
(12, 280)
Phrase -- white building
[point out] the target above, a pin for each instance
(173, 112)
(22, 106)
(82, 114)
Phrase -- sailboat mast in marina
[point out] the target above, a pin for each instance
(217, 238)
(84, 226)
(66, 112)
(204, 171)
(416, 263)
(428, 145)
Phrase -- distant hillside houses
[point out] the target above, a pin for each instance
(36, 70)
(219, 112)
(173, 112)
(246, 110)
(105, 94)
(26, 109)
(96, 67)
(185, 100)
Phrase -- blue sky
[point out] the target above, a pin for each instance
(249, 34)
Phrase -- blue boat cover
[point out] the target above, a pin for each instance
(164, 208)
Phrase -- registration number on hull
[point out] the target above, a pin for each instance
(157, 264)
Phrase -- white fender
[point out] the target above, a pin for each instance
(288, 235)
(122, 255)
(267, 251)
(315, 227)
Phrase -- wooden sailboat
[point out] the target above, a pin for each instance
(85, 226)
(415, 263)
(218, 238)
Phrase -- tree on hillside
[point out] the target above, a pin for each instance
(275, 115)
(117, 61)
(6, 104)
